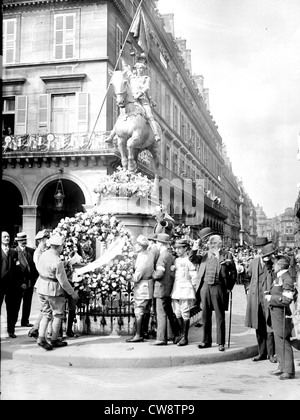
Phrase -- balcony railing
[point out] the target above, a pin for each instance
(55, 142)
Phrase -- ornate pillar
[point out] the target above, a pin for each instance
(29, 223)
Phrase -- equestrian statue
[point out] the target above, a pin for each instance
(135, 129)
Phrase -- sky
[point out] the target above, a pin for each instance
(249, 54)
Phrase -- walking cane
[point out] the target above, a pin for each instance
(230, 314)
(283, 347)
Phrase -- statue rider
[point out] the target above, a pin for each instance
(140, 86)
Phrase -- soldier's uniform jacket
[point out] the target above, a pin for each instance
(142, 278)
(185, 279)
(282, 292)
(52, 279)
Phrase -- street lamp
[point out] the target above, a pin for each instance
(59, 193)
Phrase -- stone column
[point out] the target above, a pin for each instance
(29, 223)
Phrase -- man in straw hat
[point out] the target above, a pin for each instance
(163, 283)
(279, 298)
(143, 286)
(260, 276)
(30, 275)
(52, 286)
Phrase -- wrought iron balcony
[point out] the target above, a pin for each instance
(50, 143)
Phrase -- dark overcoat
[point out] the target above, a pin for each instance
(260, 280)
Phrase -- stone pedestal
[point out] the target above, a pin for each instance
(136, 214)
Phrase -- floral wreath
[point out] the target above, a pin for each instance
(81, 233)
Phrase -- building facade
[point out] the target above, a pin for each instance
(58, 108)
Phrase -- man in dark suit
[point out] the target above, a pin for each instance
(30, 275)
(216, 277)
(11, 286)
(260, 274)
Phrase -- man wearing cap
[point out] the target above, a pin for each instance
(11, 283)
(259, 278)
(143, 286)
(163, 283)
(279, 298)
(216, 276)
(183, 292)
(51, 287)
(30, 274)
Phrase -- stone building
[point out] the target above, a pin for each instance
(58, 108)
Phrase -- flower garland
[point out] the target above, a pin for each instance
(81, 233)
(123, 183)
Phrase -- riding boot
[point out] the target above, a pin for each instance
(71, 317)
(184, 338)
(138, 338)
(41, 339)
(179, 331)
(153, 125)
(146, 325)
(56, 327)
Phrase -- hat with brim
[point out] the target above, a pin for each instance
(21, 236)
(142, 240)
(205, 233)
(42, 234)
(181, 243)
(56, 240)
(267, 250)
(151, 237)
(164, 238)
(262, 241)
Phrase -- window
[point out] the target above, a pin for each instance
(175, 124)
(64, 36)
(158, 94)
(63, 113)
(168, 157)
(119, 40)
(168, 108)
(8, 116)
(175, 162)
(182, 127)
(9, 41)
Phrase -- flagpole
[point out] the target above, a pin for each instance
(120, 54)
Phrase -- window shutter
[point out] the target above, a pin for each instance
(21, 115)
(69, 36)
(82, 111)
(59, 36)
(10, 31)
(44, 111)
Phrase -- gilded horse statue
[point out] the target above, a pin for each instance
(132, 130)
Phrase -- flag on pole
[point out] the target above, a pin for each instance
(140, 30)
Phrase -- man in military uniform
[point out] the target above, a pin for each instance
(52, 287)
(143, 286)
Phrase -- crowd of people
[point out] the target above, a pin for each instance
(172, 275)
